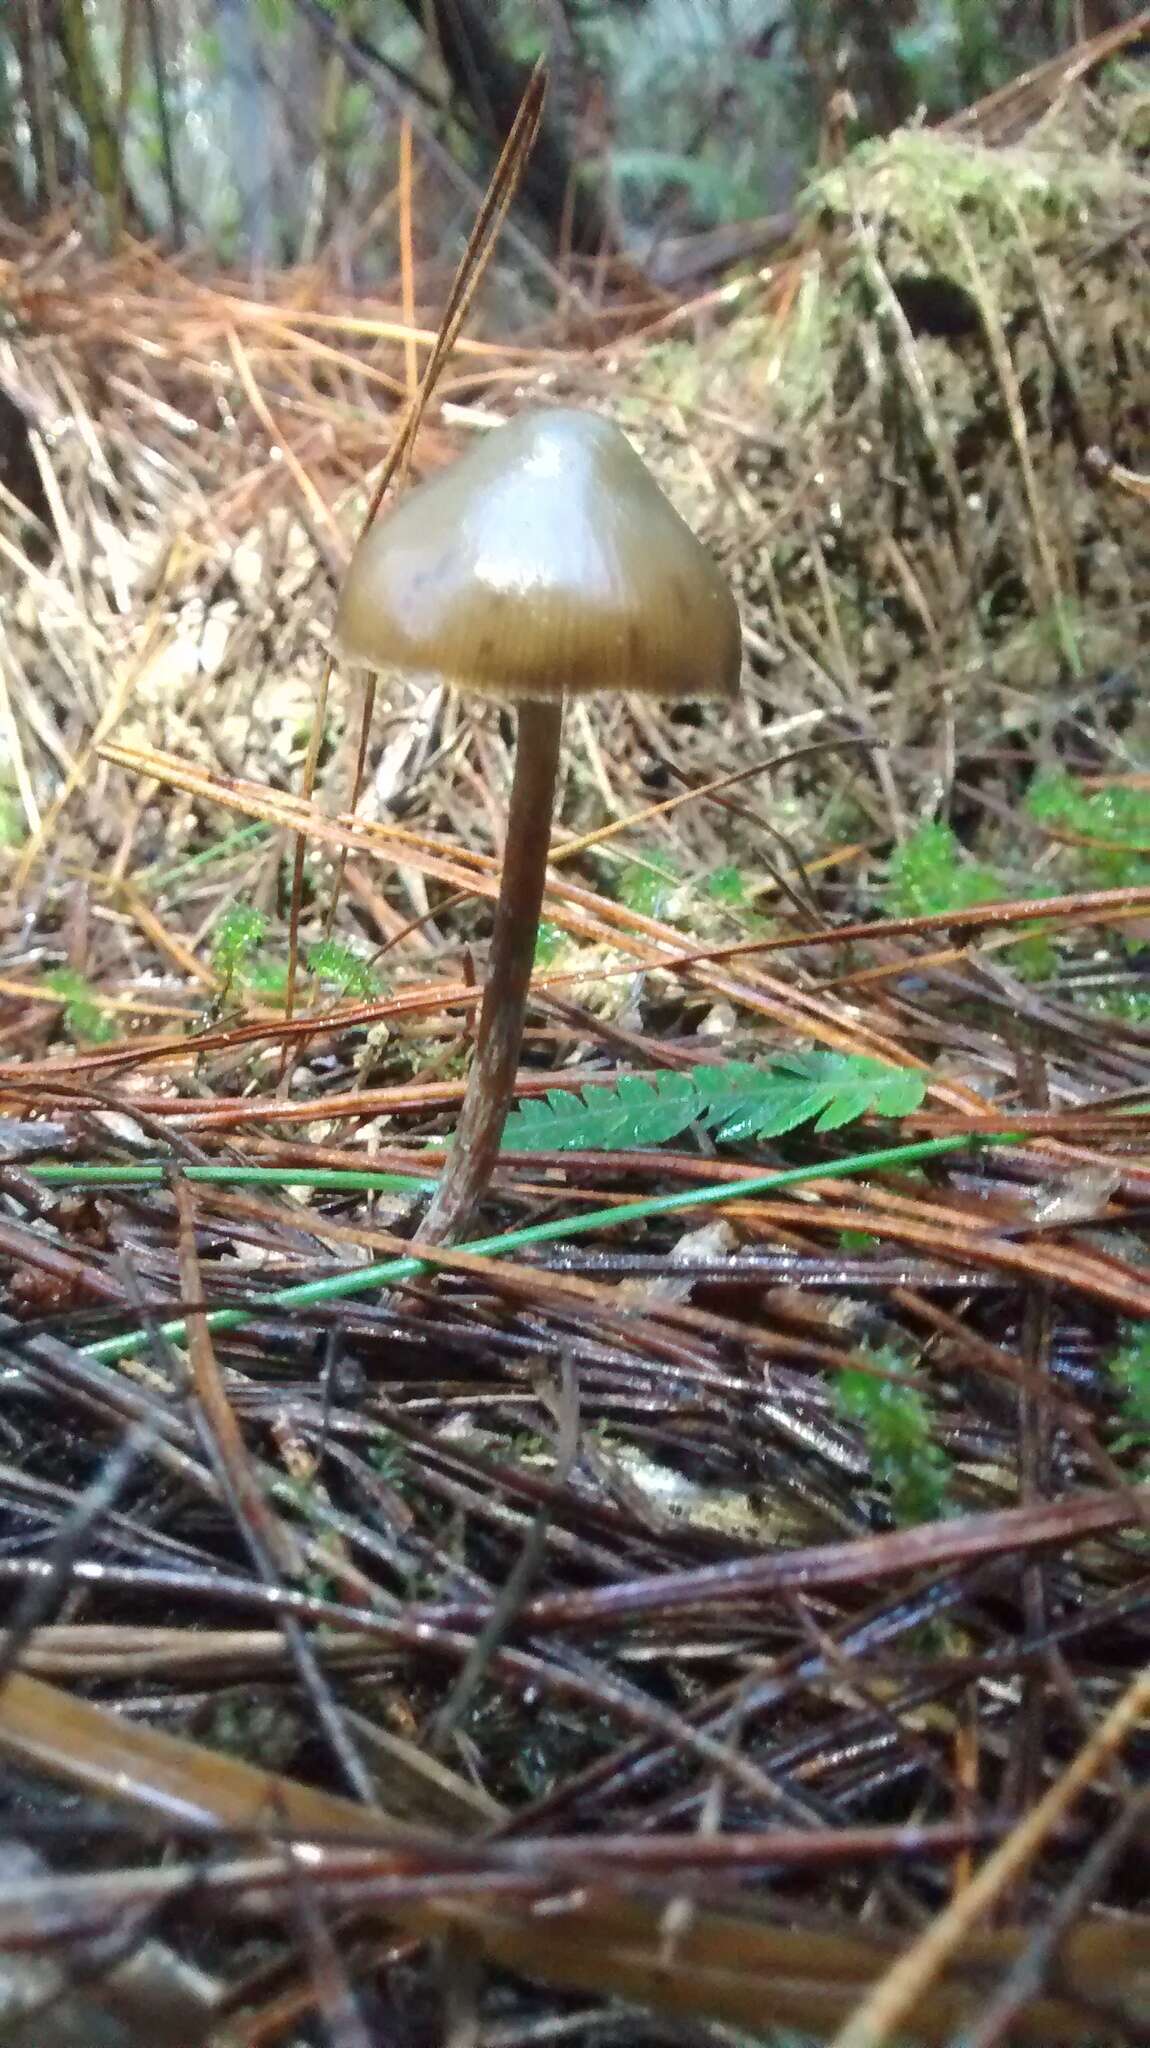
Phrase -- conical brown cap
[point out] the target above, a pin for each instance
(547, 560)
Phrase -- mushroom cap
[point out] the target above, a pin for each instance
(545, 561)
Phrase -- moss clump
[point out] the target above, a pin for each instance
(84, 1017)
(933, 187)
(1130, 1371)
(897, 1429)
(1114, 820)
(929, 874)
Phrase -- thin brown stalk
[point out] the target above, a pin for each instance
(491, 1081)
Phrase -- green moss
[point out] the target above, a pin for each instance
(266, 976)
(670, 369)
(924, 182)
(13, 825)
(896, 1425)
(726, 885)
(799, 368)
(1116, 818)
(648, 889)
(1034, 955)
(84, 1016)
(341, 966)
(240, 958)
(240, 930)
(1130, 1370)
(929, 873)
(1128, 1005)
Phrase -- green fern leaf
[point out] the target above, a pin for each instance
(829, 1089)
(630, 1115)
(846, 1105)
(660, 1109)
(736, 1102)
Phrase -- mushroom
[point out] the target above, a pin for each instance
(545, 563)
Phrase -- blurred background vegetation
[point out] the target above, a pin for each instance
(261, 133)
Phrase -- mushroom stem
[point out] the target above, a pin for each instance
(491, 1081)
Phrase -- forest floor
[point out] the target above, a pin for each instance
(715, 1603)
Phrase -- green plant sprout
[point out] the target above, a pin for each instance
(895, 1421)
(84, 1017)
(239, 932)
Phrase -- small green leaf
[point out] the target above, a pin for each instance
(830, 1088)
(660, 1109)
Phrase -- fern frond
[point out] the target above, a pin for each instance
(734, 1102)
(829, 1089)
(628, 1116)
